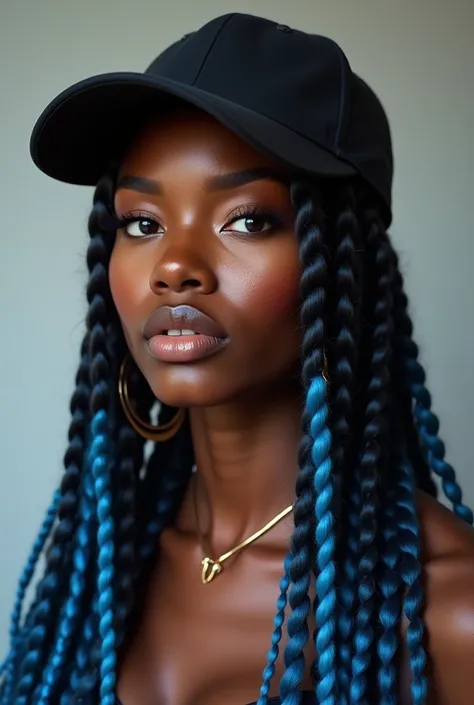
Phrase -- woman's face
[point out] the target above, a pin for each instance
(213, 235)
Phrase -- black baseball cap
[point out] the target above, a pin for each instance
(290, 94)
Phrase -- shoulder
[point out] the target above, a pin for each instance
(448, 558)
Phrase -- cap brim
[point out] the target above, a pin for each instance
(84, 129)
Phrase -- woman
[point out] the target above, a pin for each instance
(241, 274)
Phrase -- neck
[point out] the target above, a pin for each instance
(246, 458)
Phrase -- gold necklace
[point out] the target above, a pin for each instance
(210, 567)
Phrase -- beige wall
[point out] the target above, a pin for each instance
(419, 57)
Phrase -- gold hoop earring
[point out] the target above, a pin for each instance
(157, 434)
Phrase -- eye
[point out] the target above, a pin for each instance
(140, 227)
(249, 220)
(137, 225)
(251, 224)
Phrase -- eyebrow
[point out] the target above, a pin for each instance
(215, 183)
(247, 176)
(140, 184)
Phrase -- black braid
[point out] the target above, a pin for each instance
(342, 350)
(309, 222)
(342, 354)
(404, 329)
(371, 468)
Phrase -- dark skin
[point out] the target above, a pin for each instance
(200, 644)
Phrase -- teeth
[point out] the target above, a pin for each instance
(185, 331)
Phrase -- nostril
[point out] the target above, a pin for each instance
(185, 284)
(191, 284)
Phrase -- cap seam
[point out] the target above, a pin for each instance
(218, 34)
(341, 102)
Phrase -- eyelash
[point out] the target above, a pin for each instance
(252, 211)
(121, 222)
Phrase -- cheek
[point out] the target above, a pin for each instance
(128, 287)
(275, 293)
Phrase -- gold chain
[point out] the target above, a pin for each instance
(210, 567)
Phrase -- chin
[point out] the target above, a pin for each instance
(187, 388)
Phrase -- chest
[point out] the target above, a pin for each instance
(203, 644)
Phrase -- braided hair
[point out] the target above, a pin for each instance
(369, 440)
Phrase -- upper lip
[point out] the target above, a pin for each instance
(181, 318)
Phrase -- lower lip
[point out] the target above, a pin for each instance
(184, 348)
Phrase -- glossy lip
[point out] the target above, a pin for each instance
(181, 318)
(185, 348)
(209, 336)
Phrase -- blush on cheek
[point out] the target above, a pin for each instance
(276, 296)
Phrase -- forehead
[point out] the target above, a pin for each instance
(182, 135)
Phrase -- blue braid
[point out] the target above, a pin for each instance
(23, 585)
(101, 474)
(269, 670)
(428, 425)
(390, 610)
(325, 542)
(71, 610)
(89, 630)
(427, 421)
(410, 570)
(298, 631)
(83, 681)
(348, 596)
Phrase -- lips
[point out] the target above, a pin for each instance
(183, 334)
(181, 318)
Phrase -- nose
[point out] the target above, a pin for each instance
(182, 270)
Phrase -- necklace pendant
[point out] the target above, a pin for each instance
(209, 569)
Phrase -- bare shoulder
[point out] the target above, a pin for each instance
(448, 558)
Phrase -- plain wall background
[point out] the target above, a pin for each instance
(418, 56)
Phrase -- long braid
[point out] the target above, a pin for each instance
(49, 589)
(71, 487)
(125, 517)
(314, 480)
(274, 652)
(428, 422)
(81, 681)
(348, 593)
(325, 542)
(374, 436)
(402, 327)
(390, 609)
(410, 571)
(64, 503)
(72, 608)
(100, 451)
(342, 375)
